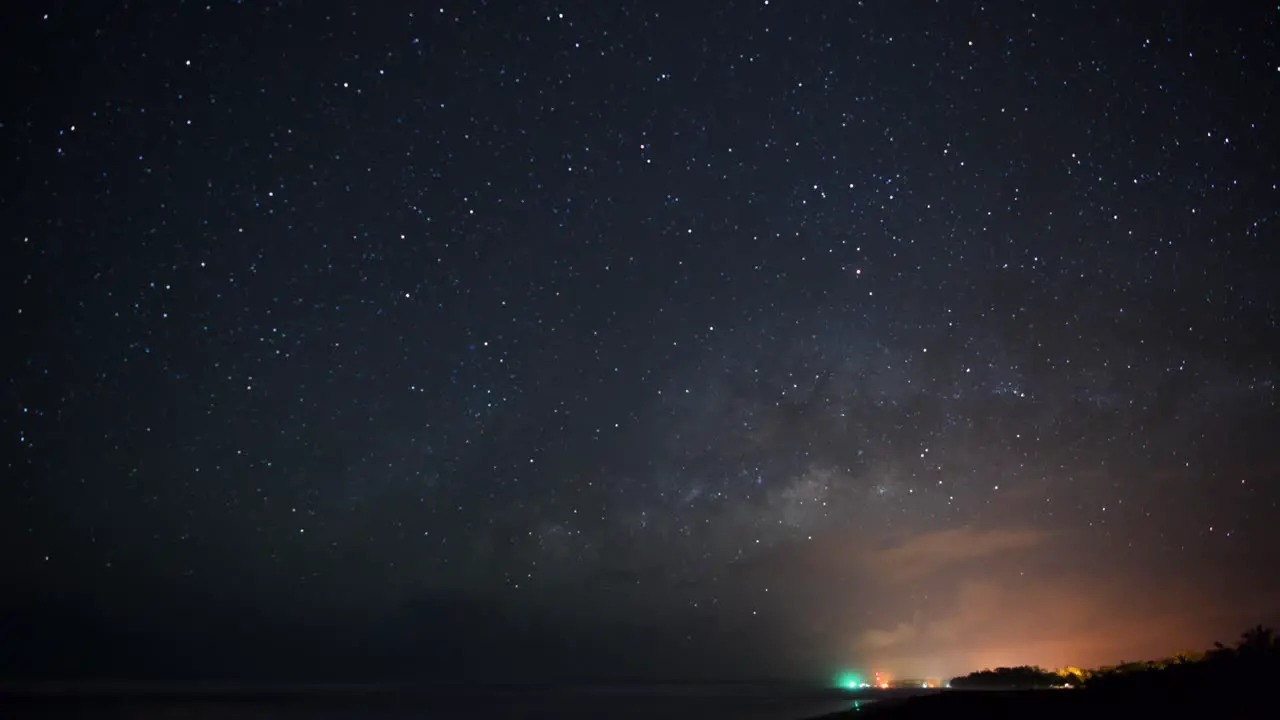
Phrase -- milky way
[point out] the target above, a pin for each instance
(665, 320)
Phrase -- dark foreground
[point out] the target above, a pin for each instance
(727, 702)
(1072, 704)
(623, 703)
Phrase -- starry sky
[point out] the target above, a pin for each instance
(497, 340)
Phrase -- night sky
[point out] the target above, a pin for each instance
(497, 341)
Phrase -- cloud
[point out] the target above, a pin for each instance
(1049, 622)
(877, 639)
(946, 602)
(960, 600)
(926, 554)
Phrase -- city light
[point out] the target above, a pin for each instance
(849, 680)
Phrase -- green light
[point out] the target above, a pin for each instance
(848, 680)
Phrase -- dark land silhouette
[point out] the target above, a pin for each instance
(1237, 681)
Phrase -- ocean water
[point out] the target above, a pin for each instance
(562, 703)
(578, 703)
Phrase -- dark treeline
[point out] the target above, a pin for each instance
(1022, 676)
(1253, 662)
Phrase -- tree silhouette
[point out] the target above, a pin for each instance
(1253, 663)
(1023, 676)
(1257, 640)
